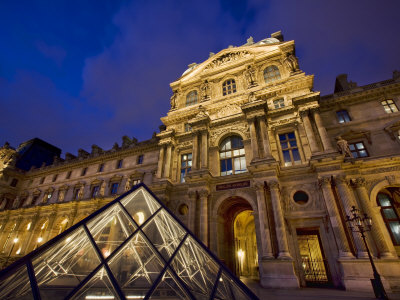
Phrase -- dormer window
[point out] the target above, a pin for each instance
(271, 74)
(279, 103)
(191, 98)
(229, 87)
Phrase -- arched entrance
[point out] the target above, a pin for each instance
(236, 240)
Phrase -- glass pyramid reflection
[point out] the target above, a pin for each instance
(132, 248)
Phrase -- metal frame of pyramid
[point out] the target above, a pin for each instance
(131, 248)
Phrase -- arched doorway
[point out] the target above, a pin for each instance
(236, 237)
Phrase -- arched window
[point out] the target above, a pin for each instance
(229, 87)
(271, 73)
(390, 215)
(231, 155)
(191, 98)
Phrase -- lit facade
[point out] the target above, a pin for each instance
(254, 161)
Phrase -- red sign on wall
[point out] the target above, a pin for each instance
(233, 185)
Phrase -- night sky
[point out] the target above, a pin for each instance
(77, 73)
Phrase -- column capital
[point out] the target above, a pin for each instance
(341, 179)
(258, 185)
(359, 182)
(324, 181)
(273, 185)
(192, 194)
(203, 193)
(304, 113)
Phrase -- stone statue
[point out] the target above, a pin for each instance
(102, 188)
(80, 193)
(205, 90)
(202, 112)
(252, 97)
(291, 62)
(127, 184)
(343, 147)
(250, 75)
(173, 99)
(61, 195)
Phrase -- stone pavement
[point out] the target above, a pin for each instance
(309, 293)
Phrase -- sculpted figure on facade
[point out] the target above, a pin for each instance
(173, 99)
(250, 76)
(128, 184)
(291, 62)
(343, 147)
(205, 90)
(102, 188)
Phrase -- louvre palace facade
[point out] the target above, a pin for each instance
(260, 167)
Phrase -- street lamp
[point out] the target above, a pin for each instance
(363, 223)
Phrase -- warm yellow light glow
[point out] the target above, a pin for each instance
(15, 240)
(140, 217)
(92, 297)
(106, 252)
(40, 239)
(240, 253)
(44, 224)
(65, 221)
(68, 239)
(28, 226)
(18, 251)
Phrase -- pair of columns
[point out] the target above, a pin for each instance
(164, 161)
(265, 146)
(199, 201)
(326, 143)
(200, 150)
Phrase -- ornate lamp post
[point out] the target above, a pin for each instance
(363, 223)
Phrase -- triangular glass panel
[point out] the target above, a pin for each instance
(65, 264)
(228, 290)
(140, 205)
(136, 266)
(196, 268)
(165, 233)
(16, 285)
(110, 229)
(169, 288)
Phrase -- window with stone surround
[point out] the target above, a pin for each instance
(119, 164)
(358, 149)
(101, 168)
(191, 98)
(229, 87)
(140, 159)
(95, 190)
(232, 156)
(186, 165)
(290, 150)
(386, 200)
(279, 103)
(114, 188)
(389, 106)
(188, 128)
(271, 74)
(343, 116)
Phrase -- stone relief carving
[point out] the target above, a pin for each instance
(291, 63)
(173, 99)
(215, 135)
(227, 110)
(343, 147)
(250, 76)
(205, 90)
(227, 58)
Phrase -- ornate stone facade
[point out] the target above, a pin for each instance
(245, 132)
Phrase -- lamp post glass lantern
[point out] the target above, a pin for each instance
(362, 223)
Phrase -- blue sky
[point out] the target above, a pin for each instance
(77, 73)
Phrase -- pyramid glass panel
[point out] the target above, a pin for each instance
(165, 233)
(140, 205)
(65, 264)
(136, 266)
(169, 288)
(228, 290)
(16, 285)
(110, 229)
(196, 268)
(98, 287)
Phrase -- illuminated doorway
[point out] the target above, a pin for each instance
(313, 262)
(246, 256)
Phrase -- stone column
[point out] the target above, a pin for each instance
(160, 162)
(204, 150)
(192, 210)
(195, 151)
(253, 138)
(279, 221)
(333, 212)
(326, 142)
(309, 131)
(367, 208)
(264, 137)
(348, 201)
(265, 235)
(203, 195)
(167, 167)
(52, 219)
(3, 203)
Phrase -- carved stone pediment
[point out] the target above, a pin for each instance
(230, 109)
(227, 58)
(393, 129)
(353, 134)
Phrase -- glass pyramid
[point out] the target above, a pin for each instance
(132, 248)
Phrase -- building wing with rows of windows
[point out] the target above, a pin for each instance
(256, 163)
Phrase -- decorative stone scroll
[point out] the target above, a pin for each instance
(227, 58)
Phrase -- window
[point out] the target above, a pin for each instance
(231, 155)
(140, 159)
(389, 106)
(279, 103)
(14, 182)
(229, 87)
(41, 180)
(95, 191)
(101, 168)
(343, 116)
(290, 151)
(68, 175)
(186, 165)
(390, 215)
(119, 164)
(191, 98)
(136, 181)
(55, 177)
(271, 73)
(358, 150)
(114, 188)
(84, 172)
(188, 128)
(76, 193)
